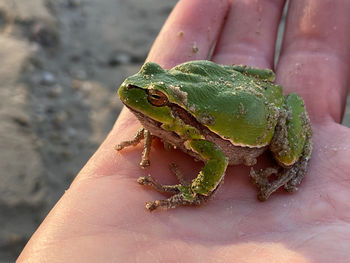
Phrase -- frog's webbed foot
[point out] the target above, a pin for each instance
(179, 198)
(291, 146)
(262, 179)
(149, 180)
(289, 177)
(140, 134)
(174, 201)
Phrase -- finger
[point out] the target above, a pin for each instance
(314, 60)
(190, 32)
(249, 34)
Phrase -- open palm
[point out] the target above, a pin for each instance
(101, 218)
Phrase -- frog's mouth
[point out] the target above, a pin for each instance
(143, 118)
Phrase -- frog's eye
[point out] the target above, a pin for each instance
(157, 98)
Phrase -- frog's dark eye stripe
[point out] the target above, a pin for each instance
(130, 86)
(157, 98)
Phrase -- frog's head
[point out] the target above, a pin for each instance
(146, 92)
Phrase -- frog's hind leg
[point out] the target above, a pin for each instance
(301, 167)
(291, 146)
(177, 199)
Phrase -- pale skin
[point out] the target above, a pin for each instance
(101, 217)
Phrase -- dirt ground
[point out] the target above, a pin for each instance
(61, 63)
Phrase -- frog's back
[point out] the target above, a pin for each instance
(240, 108)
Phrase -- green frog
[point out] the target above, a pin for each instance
(223, 115)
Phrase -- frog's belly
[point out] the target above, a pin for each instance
(236, 154)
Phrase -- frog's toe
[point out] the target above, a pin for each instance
(268, 185)
(152, 205)
(289, 178)
(150, 181)
(290, 188)
(171, 202)
(292, 185)
(261, 178)
(160, 204)
(176, 171)
(145, 163)
(144, 180)
(175, 201)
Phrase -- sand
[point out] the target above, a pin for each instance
(62, 61)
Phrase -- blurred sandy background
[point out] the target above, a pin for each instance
(61, 61)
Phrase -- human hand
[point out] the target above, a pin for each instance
(101, 217)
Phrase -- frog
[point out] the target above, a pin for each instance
(221, 115)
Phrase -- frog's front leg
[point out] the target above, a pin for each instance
(202, 187)
(142, 133)
(291, 147)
